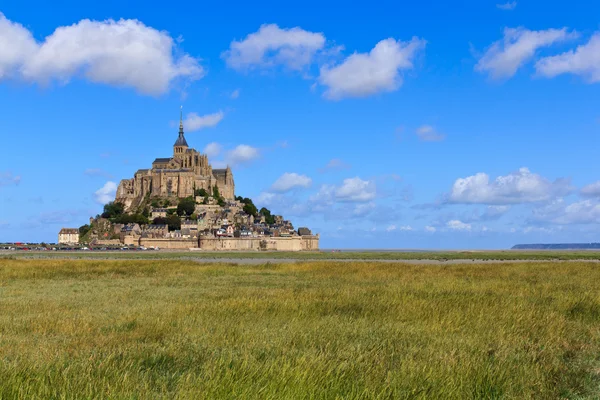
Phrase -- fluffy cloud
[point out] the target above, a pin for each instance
(364, 74)
(511, 5)
(457, 225)
(521, 186)
(242, 154)
(427, 133)
(591, 190)
(430, 229)
(583, 61)
(391, 228)
(235, 94)
(7, 178)
(120, 53)
(351, 190)
(289, 181)
(494, 212)
(293, 48)
(561, 213)
(506, 56)
(212, 149)
(106, 193)
(194, 122)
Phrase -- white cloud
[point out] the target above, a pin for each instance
(521, 186)
(235, 94)
(391, 228)
(293, 48)
(7, 178)
(591, 190)
(351, 190)
(511, 5)
(583, 61)
(120, 53)
(561, 213)
(430, 229)
(106, 193)
(242, 154)
(289, 181)
(504, 57)
(538, 229)
(364, 74)
(494, 212)
(194, 122)
(406, 228)
(212, 149)
(16, 46)
(457, 225)
(428, 133)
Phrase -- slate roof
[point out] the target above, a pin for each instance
(181, 140)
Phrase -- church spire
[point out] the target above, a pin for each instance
(181, 119)
(181, 139)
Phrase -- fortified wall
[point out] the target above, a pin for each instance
(294, 243)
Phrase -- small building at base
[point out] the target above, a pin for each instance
(68, 236)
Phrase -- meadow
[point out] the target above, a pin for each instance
(175, 329)
(487, 255)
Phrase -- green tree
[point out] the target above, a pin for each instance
(174, 222)
(186, 206)
(200, 192)
(216, 193)
(83, 229)
(113, 209)
(131, 219)
(250, 209)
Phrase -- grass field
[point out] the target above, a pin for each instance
(148, 329)
(515, 255)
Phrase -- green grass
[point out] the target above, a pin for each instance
(514, 255)
(148, 329)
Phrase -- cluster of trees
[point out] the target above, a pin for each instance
(172, 220)
(83, 229)
(250, 208)
(269, 219)
(115, 212)
(186, 206)
(215, 194)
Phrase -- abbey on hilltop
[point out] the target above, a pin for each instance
(178, 176)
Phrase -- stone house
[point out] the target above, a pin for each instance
(158, 213)
(68, 236)
(158, 231)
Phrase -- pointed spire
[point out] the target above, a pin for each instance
(181, 119)
(181, 139)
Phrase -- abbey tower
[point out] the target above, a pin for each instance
(177, 176)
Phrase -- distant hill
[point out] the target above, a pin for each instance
(558, 246)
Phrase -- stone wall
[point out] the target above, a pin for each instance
(182, 244)
(295, 243)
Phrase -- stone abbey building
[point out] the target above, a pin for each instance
(176, 176)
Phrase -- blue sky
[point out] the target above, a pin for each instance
(396, 125)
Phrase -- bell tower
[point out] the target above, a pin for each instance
(180, 146)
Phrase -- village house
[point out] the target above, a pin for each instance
(158, 213)
(68, 236)
(157, 231)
